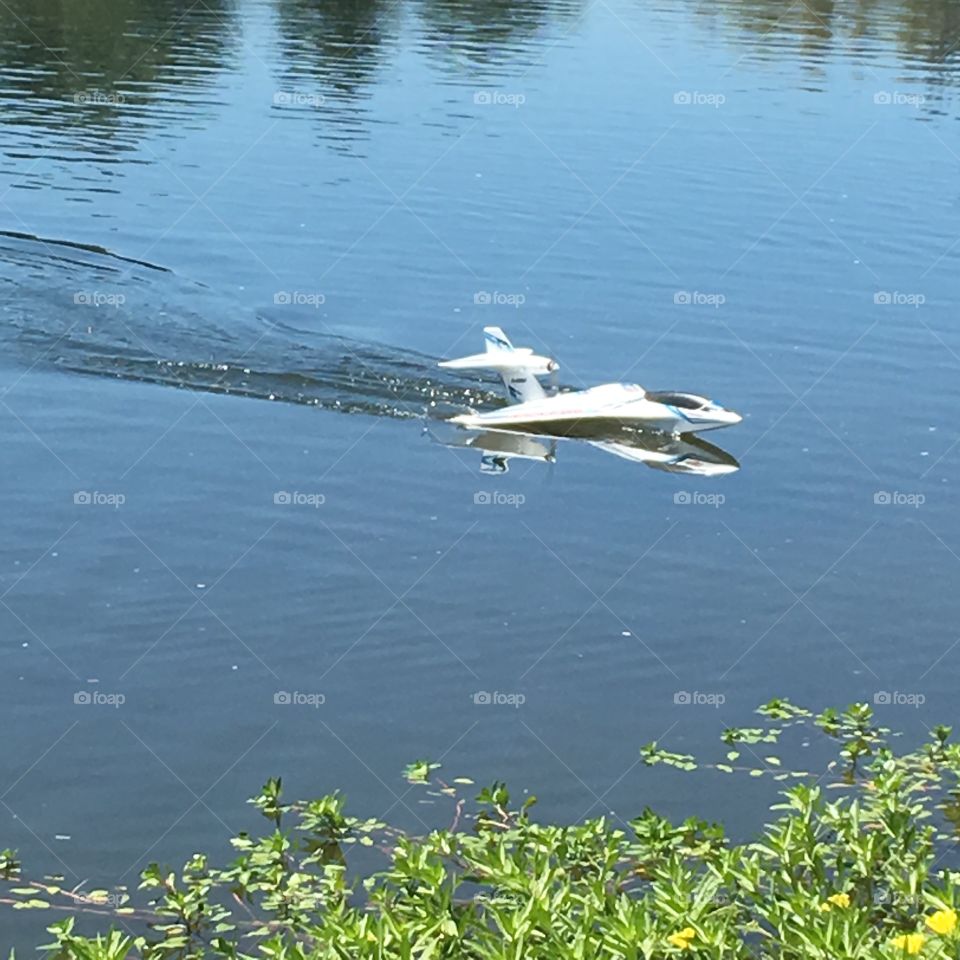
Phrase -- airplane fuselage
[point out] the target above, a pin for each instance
(621, 402)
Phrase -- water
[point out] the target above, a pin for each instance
(236, 239)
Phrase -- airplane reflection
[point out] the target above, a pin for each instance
(687, 454)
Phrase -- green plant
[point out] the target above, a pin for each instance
(853, 864)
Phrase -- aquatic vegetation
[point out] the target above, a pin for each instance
(855, 862)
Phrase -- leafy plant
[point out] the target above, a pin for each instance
(855, 862)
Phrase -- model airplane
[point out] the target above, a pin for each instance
(534, 411)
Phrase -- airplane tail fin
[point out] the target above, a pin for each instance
(518, 367)
(496, 340)
(522, 385)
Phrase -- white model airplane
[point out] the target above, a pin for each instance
(533, 410)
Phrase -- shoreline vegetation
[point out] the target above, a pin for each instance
(854, 862)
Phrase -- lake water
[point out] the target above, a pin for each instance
(237, 238)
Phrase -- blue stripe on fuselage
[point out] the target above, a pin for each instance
(684, 416)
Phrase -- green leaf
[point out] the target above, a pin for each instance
(419, 771)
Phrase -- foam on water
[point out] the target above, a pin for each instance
(85, 310)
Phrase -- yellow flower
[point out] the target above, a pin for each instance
(682, 938)
(909, 943)
(943, 921)
(837, 900)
